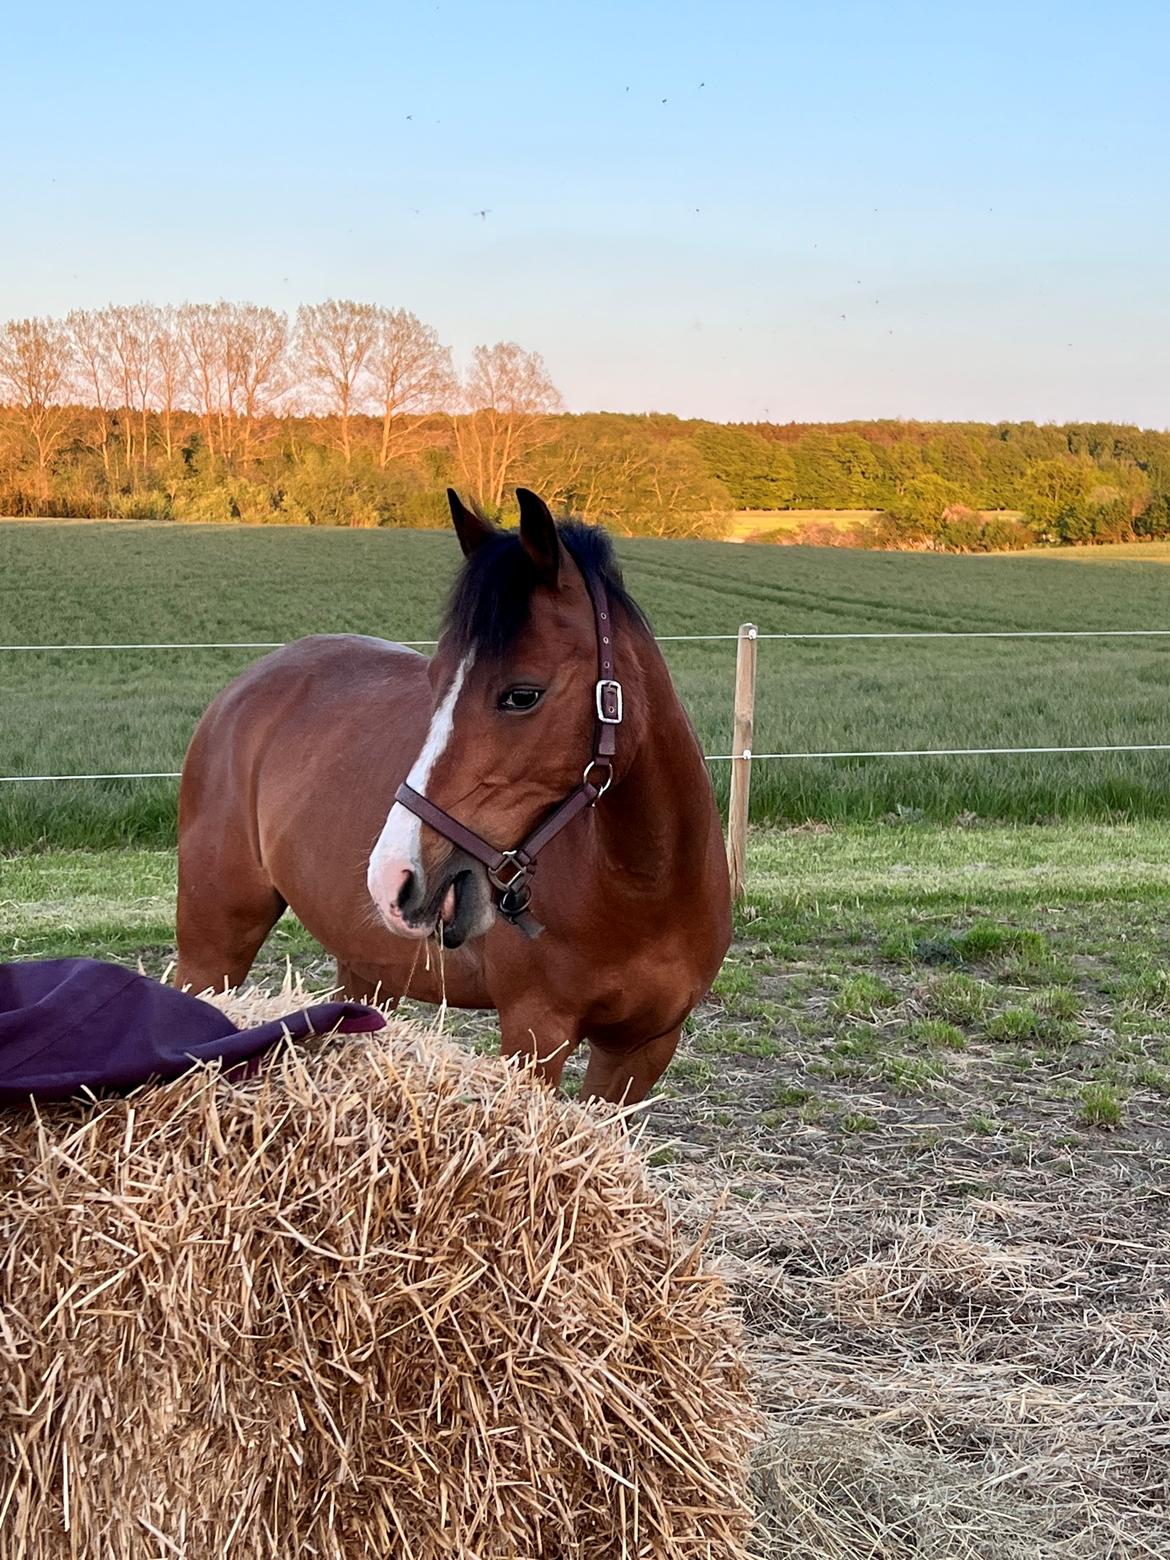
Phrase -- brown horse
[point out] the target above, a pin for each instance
(546, 717)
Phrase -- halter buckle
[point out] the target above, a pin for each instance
(608, 696)
(507, 885)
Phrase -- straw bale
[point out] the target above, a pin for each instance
(384, 1299)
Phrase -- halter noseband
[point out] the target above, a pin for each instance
(510, 871)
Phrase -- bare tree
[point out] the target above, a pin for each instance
(201, 335)
(130, 330)
(412, 379)
(509, 398)
(35, 363)
(235, 358)
(97, 378)
(171, 377)
(334, 339)
(255, 365)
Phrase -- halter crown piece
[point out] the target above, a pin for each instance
(510, 871)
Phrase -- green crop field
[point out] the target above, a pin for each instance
(100, 711)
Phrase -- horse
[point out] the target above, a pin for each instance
(363, 785)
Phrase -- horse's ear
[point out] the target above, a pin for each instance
(471, 529)
(538, 535)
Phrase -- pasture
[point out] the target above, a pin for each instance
(926, 1107)
(925, 1104)
(103, 711)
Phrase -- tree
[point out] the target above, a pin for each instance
(256, 347)
(509, 398)
(201, 334)
(129, 331)
(1059, 488)
(757, 472)
(639, 475)
(676, 495)
(920, 510)
(1154, 519)
(334, 339)
(412, 378)
(96, 376)
(835, 470)
(35, 363)
(171, 380)
(235, 357)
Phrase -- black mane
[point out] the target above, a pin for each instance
(491, 600)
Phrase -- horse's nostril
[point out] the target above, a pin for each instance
(405, 887)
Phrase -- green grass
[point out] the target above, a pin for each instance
(104, 711)
(811, 1030)
(863, 996)
(1101, 1106)
(931, 1033)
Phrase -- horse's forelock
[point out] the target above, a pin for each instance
(491, 601)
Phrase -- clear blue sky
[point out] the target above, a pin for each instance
(840, 209)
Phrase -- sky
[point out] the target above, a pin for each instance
(732, 210)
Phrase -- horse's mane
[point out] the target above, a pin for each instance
(490, 602)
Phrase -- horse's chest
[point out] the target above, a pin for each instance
(642, 991)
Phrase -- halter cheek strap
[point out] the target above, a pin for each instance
(510, 871)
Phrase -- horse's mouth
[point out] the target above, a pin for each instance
(448, 918)
(458, 910)
(448, 908)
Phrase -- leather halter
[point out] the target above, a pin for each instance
(510, 871)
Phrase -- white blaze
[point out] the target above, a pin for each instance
(399, 844)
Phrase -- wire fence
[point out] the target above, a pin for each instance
(746, 754)
(663, 639)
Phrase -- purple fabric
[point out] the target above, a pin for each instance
(73, 1024)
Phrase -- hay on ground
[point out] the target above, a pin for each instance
(385, 1299)
(979, 1379)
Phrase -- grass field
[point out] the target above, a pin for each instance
(747, 525)
(755, 524)
(1119, 552)
(112, 711)
(926, 1108)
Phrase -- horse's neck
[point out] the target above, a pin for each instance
(654, 826)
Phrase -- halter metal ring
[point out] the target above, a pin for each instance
(595, 763)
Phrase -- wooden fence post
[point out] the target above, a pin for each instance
(741, 764)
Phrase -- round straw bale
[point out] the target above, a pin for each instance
(384, 1299)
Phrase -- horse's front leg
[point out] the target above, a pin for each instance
(536, 1032)
(626, 1076)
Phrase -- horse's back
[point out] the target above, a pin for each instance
(311, 674)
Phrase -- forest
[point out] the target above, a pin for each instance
(354, 414)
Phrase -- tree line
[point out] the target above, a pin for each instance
(352, 413)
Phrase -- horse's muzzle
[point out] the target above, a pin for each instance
(457, 908)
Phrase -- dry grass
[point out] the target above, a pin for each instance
(753, 524)
(385, 1299)
(985, 1385)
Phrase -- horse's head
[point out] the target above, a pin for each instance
(514, 683)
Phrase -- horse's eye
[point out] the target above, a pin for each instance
(521, 699)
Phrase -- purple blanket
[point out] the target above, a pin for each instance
(73, 1024)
